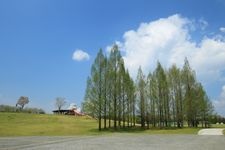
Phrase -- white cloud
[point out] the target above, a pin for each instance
(220, 103)
(155, 41)
(169, 40)
(109, 47)
(208, 59)
(202, 24)
(222, 29)
(80, 55)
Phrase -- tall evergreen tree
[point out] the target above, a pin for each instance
(130, 99)
(162, 96)
(189, 82)
(174, 76)
(95, 87)
(153, 95)
(122, 78)
(114, 60)
(141, 95)
(105, 87)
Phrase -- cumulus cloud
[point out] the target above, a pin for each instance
(222, 29)
(220, 103)
(169, 40)
(109, 47)
(80, 55)
(154, 41)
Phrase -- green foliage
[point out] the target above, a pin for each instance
(217, 119)
(175, 94)
(165, 98)
(110, 91)
(218, 125)
(141, 96)
(33, 110)
(7, 108)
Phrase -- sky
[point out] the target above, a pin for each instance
(47, 47)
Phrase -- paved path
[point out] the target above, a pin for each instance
(115, 142)
(214, 131)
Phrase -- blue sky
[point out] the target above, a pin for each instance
(39, 37)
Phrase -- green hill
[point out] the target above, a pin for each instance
(22, 124)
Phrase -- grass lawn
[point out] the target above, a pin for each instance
(21, 124)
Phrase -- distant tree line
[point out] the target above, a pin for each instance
(163, 98)
(21, 102)
(215, 118)
(7, 108)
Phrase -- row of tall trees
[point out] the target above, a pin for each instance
(163, 98)
(110, 92)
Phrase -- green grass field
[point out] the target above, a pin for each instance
(21, 124)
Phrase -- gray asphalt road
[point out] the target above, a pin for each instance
(115, 142)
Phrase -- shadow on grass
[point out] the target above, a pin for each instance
(151, 130)
(119, 130)
(136, 129)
